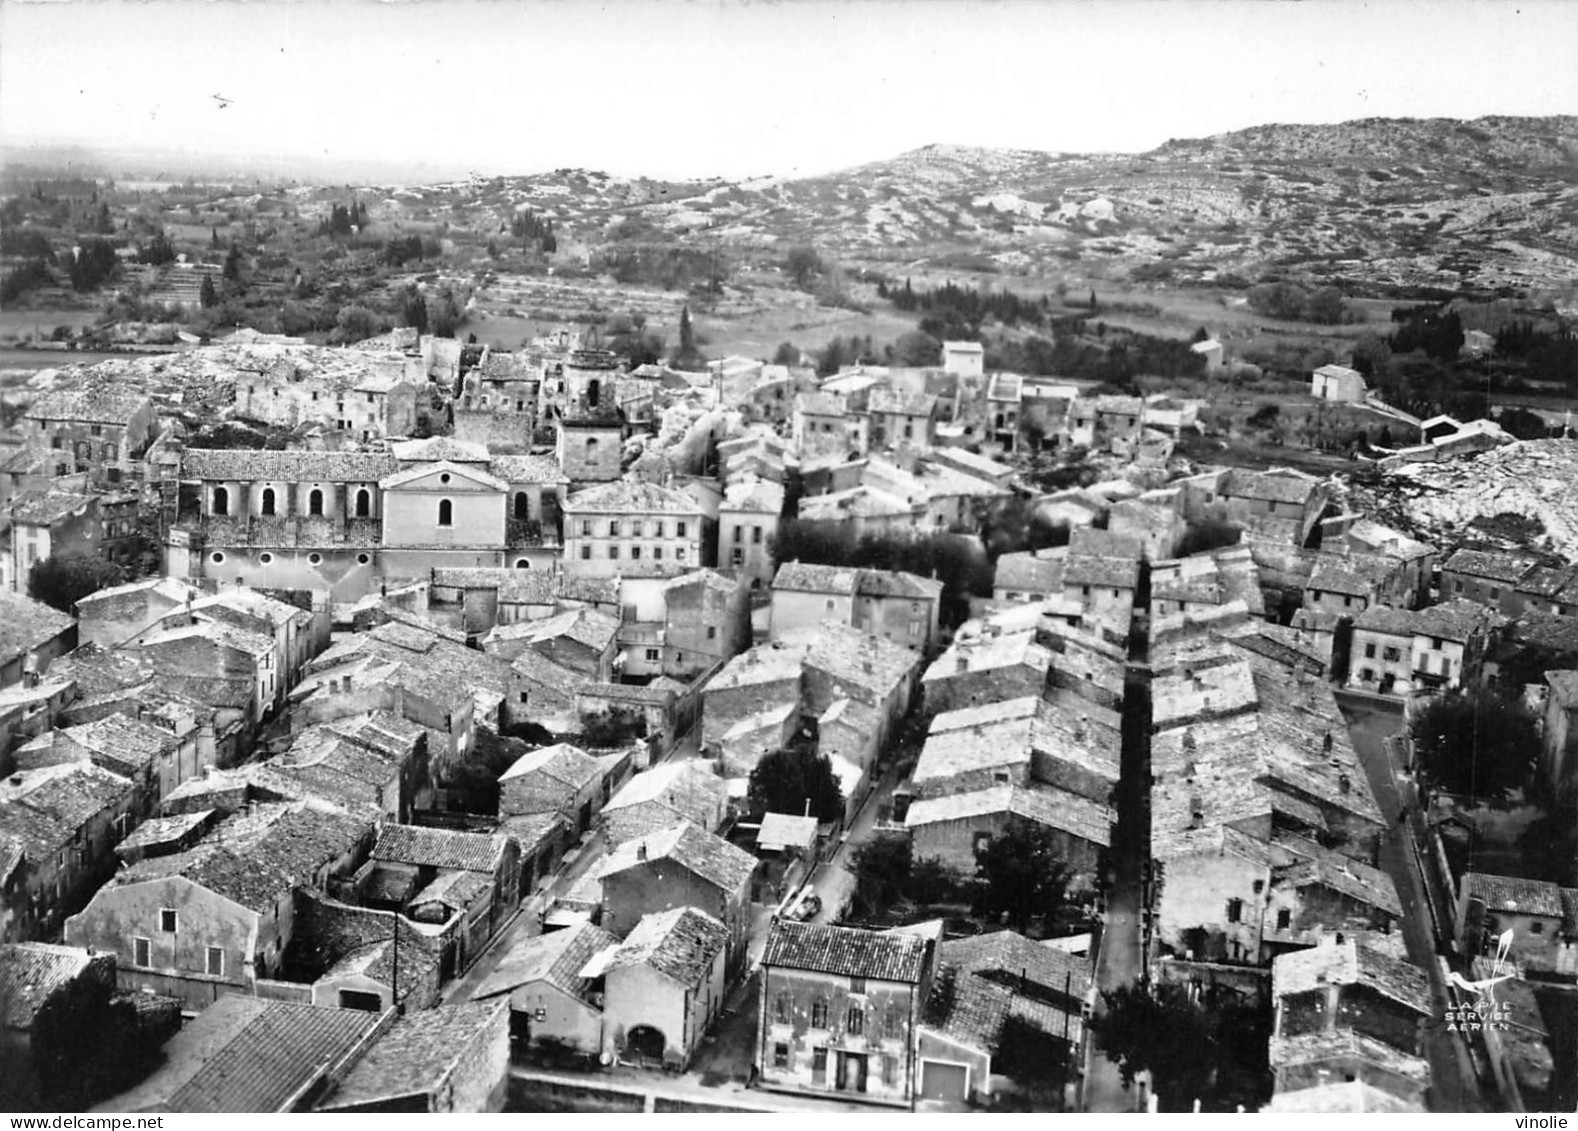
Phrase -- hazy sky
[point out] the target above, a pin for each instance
(737, 88)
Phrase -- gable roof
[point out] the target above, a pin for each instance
(418, 1054)
(561, 761)
(292, 465)
(632, 497)
(1055, 808)
(849, 952)
(703, 853)
(248, 1054)
(809, 577)
(680, 944)
(30, 972)
(25, 624)
(556, 958)
(440, 848)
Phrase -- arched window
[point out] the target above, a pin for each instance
(594, 392)
(315, 502)
(522, 506)
(221, 500)
(591, 446)
(364, 503)
(268, 500)
(446, 513)
(522, 563)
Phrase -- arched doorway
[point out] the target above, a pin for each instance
(522, 506)
(315, 503)
(594, 392)
(364, 503)
(221, 500)
(268, 500)
(646, 1042)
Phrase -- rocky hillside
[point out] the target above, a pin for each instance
(1372, 205)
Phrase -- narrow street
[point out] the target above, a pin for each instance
(1122, 958)
(1454, 1084)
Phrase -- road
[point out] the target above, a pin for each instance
(1454, 1086)
(1121, 961)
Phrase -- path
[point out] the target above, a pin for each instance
(1454, 1084)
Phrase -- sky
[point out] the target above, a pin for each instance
(742, 88)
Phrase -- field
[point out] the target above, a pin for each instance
(22, 324)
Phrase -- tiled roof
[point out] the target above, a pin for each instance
(515, 469)
(693, 848)
(1507, 568)
(630, 497)
(1010, 650)
(94, 405)
(753, 496)
(1346, 1044)
(248, 1054)
(1352, 962)
(595, 629)
(897, 583)
(557, 958)
(680, 943)
(439, 449)
(1267, 486)
(294, 465)
(1055, 808)
(1105, 573)
(30, 972)
(1323, 867)
(819, 404)
(808, 577)
(46, 507)
(1029, 573)
(561, 761)
(690, 788)
(439, 848)
(1355, 574)
(164, 830)
(1514, 894)
(46, 808)
(1347, 1096)
(121, 744)
(538, 668)
(848, 952)
(989, 743)
(888, 399)
(772, 662)
(854, 657)
(25, 624)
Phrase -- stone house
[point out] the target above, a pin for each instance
(1350, 983)
(758, 680)
(840, 1011)
(899, 417)
(454, 1058)
(664, 986)
(551, 996)
(956, 828)
(426, 853)
(822, 425)
(1279, 506)
(49, 522)
(706, 621)
(582, 640)
(682, 866)
(747, 525)
(1347, 584)
(1338, 383)
(561, 779)
(663, 796)
(1316, 890)
(60, 825)
(609, 527)
(806, 594)
(754, 737)
(217, 918)
(1539, 915)
(1027, 576)
(100, 430)
(964, 359)
(1486, 578)
(1213, 888)
(989, 669)
(1416, 560)
(32, 636)
(51, 994)
(1400, 652)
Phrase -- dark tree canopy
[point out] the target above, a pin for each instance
(1479, 744)
(1215, 1053)
(790, 780)
(882, 867)
(61, 580)
(614, 727)
(1021, 874)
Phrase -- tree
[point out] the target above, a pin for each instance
(796, 781)
(1214, 1052)
(233, 264)
(804, 265)
(1021, 874)
(687, 356)
(881, 867)
(916, 348)
(208, 296)
(787, 353)
(617, 726)
(1479, 744)
(1207, 534)
(61, 580)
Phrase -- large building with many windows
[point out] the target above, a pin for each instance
(631, 527)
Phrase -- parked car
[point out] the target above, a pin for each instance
(808, 907)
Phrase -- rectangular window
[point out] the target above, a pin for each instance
(915, 628)
(654, 655)
(1435, 644)
(855, 1022)
(1369, 651)
(712, 632)
(586, 553)
(657, 553)
(819, 1015)
(756, 535)
(216, 962)
(857, 985)
(586, 528)
(819, 1066)
(613, 528)
(167, 920)
(781, 1009)
(1389, 654)
(659, 529)
(635, 553)
(781, 1055)
(739, 534)
(613, 551)
(1494, 592)
(680, 528)
(1235, 910)
(1284, 919)
(142, 952)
